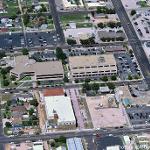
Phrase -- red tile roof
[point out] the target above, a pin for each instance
(53, 92)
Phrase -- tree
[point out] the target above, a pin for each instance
(71, 42)
(4, 76)
(86, 87)
(113, 78)
(77, 2)
(101, 25)
(120, 38)
(61, 139)
(95, 87)
(26, 19)
(38, 82)
(34, 103)
(13, 78)
(66, 79)
(25, 51)
(8, 124)
(87, 80)
(2, 54)
(5, 82)
(130, 51)
(60, 54)
(136, 77)
(31, 111)
(89, 41)
(105, 78)
(76, 81)
(130, 77)
(8, 102)
(133, 12)
(3, 71)
(43, 8)
(111, 85)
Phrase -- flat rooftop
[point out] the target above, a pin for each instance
(24, 64)
(62, 106)
(92, 60)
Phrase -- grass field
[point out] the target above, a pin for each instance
(81, 20)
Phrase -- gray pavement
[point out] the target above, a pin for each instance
(133, 40)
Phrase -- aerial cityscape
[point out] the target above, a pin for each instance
(74, 74)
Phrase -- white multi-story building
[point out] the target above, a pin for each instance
(92, 66)
(58, 107)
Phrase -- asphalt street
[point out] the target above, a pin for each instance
(133, 40)
(117, 83)
(73, 133)
(56, 21)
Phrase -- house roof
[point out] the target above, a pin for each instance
(53, 92)
(19, 109)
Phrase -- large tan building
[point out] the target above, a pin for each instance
(50, 70)
(93, 66)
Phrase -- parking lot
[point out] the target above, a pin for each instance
(141, 23)
(139, 115)
(11, 40)
(103, 143)
(127, 66)
(17, 40)
(42, 38)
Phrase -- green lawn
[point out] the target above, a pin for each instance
(11, 7)
(74, 17)
(84, 25)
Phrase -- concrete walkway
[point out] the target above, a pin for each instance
(74, 94)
